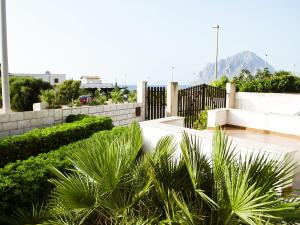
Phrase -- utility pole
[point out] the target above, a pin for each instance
(4, 59)
(217, 51)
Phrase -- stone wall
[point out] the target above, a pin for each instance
(20, 122)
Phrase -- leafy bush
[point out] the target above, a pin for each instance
(49, 96)
(72, 118)
(24, 91)
(201, 122)
(68, 91)
(110, 184)
(132, 97)
(98, 100)
(116, 95)
(25, 182)
(46, 139)
(264, 81)
(220, 83)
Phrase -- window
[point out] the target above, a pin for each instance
(56, 80)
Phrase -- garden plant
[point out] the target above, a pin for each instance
(113, 183)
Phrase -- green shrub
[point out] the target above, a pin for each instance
(24, 91)
(72, 118)
(132, 97)
(68, 91)
(264, 81)
(25, 182)
(46, 139)
(220, 83)
(49, 96)
(116, 95)
(201, 122)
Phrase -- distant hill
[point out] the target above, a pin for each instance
(232, 66)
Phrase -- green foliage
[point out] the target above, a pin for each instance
(97, 93)
(75, 103)
(220, 83)
(264, 81)
(101, 99)
(116, 95)
(46, 139)
(201, 122)
(24, 91)
(68, 91)
(132, 96)
(112, 184)
(23, 183)
(49, 96)
(72, 118)
(98, 101)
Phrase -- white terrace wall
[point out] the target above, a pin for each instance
(268, 102)
(20, 122)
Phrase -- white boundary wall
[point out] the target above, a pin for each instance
(275, 122)
(268, 102)
(20, 122)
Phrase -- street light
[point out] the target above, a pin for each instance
(266, 61)
(217, 27)
(125, 77)
(4, 59)
(294, 69)
(173, 72)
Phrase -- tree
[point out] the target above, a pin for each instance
(24, 91)
(67, 91)
(220, 83)
(263, 74)
(112, 183)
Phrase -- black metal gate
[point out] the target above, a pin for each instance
(156, 103)
(193, 100)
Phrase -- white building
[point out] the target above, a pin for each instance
(48, 77)
(94, 81)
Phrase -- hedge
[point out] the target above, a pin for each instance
(46, 139)
(23, 183)
(72, 118)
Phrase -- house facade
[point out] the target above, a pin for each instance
(53, 79)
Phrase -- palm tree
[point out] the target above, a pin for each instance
(113, 183)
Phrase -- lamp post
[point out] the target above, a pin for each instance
(173, 72)
(4, 59)
(217, 27)
(294, 69)
(125, 79)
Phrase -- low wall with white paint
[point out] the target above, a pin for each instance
(154, 130)
(268, 102)
(275, 122)
(20, 122)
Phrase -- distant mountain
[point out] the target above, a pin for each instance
(232, 66)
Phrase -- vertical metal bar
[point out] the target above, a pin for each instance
(164, 101)
(155, 102)
(148, 103)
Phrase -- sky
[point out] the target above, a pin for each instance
(143, 39)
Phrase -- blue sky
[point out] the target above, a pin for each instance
(144, 39)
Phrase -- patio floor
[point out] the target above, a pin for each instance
(261, 138)
(292, 142)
